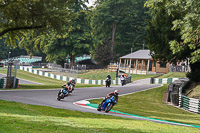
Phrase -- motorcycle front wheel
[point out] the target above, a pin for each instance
(108, 108)
(99, 107)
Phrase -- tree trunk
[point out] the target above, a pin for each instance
(114, 27)
(72, 60)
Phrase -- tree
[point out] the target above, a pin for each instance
(185, 24)
(75, 41)
(159, 32)
(15, 51)
(189, 26)
(120, 24)
(18, 17)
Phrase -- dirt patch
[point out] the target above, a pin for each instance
(194, 90)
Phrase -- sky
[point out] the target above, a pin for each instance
(91, 2)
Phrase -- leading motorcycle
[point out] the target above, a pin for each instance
(107, 105)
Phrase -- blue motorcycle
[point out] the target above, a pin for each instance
(107, 105)
(62, 93)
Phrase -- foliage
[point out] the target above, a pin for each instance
(194, 75)
(19, 17)
(181, 39)
(102, 53)
(75, 41)
(119, 25)
(15, 51)
(189, 26)
(159, 32)
(184, 23)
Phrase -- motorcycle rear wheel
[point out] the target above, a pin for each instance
(58, 98)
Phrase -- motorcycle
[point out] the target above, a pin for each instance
(123, 82)
(71, 87)
(107, 105)
(108, 82)
(62, 93)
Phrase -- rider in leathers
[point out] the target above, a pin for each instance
(115, 93)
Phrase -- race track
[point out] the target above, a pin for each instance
(49, 98)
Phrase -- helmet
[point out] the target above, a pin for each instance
(116, 92)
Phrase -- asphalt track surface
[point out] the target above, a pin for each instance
(49, 97)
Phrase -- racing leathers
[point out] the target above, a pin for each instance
(110, 95)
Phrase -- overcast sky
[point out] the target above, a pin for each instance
(91, 2)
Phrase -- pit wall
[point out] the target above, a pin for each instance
(65, 78)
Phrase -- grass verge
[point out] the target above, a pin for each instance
(48, 83)
(174, 75)
(150, 104)
(19, 118)
(196, 92)
(101, 75)
(53, 83)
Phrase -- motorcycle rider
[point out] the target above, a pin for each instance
(71, 82)
(115, 94)
(109, 77)
(122, 78)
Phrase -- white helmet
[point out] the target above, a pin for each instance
(116, 92)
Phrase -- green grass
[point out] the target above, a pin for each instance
(150, 104)
(195, 93)
(23, 118)
(174, 75)
(135, 77)
(101, 75)
(48, 83)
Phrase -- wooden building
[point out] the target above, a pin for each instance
(140, 62)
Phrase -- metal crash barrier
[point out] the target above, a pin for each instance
(178, 97)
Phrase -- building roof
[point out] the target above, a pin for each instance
(140, 54)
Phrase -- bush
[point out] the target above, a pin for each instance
(194, 76)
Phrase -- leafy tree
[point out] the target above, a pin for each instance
(75, 41)
(15, 51)
(189, 27)
(185, 24)
(20, 16)
(103, 57)
(159, 32)
(120, 24)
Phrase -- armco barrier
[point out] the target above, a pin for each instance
(163, 80)
(65, 78)
(190, 104)
(178, 98)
